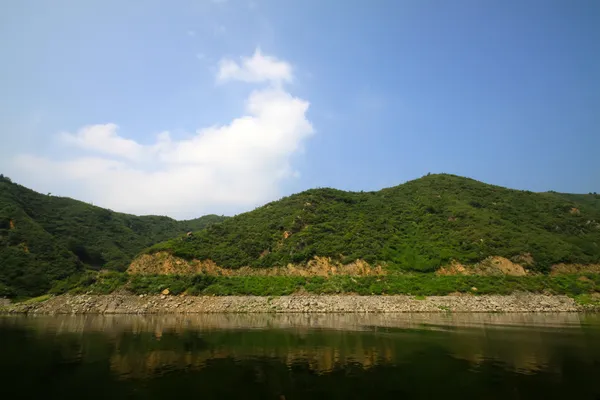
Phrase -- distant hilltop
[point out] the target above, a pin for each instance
(421, 226)
(47, 238)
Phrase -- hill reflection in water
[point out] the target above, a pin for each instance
(281, 353)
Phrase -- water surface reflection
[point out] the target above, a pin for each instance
(307, 355)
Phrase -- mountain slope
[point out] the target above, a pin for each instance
(419, 225)
(44, 238)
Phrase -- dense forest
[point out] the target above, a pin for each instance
(417, 226)
(45, 238)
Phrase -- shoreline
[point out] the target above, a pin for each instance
(164, 304)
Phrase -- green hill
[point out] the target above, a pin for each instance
(419, 226)
(45, 238)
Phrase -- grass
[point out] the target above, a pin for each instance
(91, 282)
(419, 285)
(38, 299)
(587, 299)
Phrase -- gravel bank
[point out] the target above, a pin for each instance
(146, 304)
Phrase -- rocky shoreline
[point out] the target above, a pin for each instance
(162, 304)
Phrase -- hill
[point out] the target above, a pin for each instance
(419, 226)
(44, 238)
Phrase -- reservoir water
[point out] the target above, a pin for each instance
(301, 356)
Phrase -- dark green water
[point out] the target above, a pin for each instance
(441, 356)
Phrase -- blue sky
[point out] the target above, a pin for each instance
(191, 107)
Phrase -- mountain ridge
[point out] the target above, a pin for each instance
(46, 238)
(419, 225)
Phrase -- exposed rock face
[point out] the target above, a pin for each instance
(130, 304)
(489, 266)
(559, 269)
(165, 263)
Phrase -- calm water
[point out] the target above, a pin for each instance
(463, 356)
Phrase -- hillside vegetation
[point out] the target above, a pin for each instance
(46, 238)
(54, 244)
(417, 226)
(586, 286)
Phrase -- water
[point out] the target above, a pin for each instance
(354, 356)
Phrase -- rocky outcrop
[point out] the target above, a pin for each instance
(165, 263)
(491, 266)
(158, 304)
(561, 269)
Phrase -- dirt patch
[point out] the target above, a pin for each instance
(496, 266)
(575, 211)
(324, 266)
(164, 263)
(11, 224)
(506, 266)
(264, 253)
(490, 266)
(560, 269)
(455, 268)
(524, 259)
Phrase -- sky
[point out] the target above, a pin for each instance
(190, 107)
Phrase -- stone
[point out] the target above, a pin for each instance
(519, 302)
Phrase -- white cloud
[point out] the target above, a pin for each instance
(258, 68)
(230, 167)
(104, 139)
